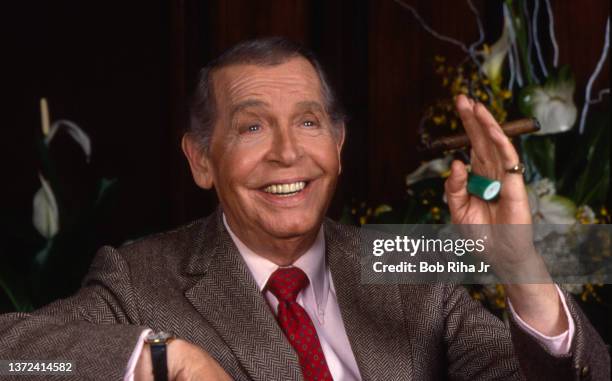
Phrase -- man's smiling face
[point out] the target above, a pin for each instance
(274, 156)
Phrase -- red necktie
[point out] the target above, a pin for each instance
(286, 284)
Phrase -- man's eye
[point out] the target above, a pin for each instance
(309, 123)
(251, 128)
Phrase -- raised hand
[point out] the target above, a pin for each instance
(492, 155)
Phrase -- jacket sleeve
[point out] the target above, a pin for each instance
(588, 359)
(480, 346)
(97, 328)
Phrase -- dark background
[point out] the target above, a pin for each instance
(123, 71)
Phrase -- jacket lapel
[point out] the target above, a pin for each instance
(227, 296)
(372, 314)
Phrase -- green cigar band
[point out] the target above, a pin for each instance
(483, 187)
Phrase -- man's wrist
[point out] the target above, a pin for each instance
(539, 306)
(144, 368)
(158, 343)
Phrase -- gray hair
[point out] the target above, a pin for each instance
(269, 51)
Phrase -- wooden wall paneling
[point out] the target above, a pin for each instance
(339, 36)
(237, 20)
(401, 83)
(580, 29)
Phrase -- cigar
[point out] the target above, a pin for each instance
(511, 129)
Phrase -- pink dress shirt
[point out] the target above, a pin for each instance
(319, 300)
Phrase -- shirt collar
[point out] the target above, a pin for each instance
(312, 262)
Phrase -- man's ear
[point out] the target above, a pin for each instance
(199, 162)
(339, 144)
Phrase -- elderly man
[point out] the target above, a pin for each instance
(266, 288)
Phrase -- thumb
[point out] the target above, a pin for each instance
(456, 187)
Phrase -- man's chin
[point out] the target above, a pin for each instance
(293, 228)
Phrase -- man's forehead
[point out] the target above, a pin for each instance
(295, 76)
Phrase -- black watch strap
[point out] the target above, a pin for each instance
(159, 361)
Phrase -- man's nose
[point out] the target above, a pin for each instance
(286, 148)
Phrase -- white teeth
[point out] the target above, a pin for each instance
(285, 188)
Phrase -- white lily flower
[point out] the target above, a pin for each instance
(544, 187)
(552, 104)
(74, 131)
(548, 208)
(430, 169)
(554, 108)
(45, 213)
(495, 55)
(553, 209)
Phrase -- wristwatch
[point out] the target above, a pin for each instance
(157, 342)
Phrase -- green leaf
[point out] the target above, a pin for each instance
(525, 100)
(41, 257)
(564, 74)
(593, 181)
(520, 27)
(14, 287)
(539, 156)
(104, 187)
(346, 217)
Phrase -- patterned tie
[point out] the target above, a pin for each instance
(286, 284)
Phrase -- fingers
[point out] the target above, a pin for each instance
(477, 135)
(456, 188)
(502, 143)
(513, 186)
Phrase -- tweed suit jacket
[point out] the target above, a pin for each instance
(193, 282)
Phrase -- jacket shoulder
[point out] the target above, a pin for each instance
(172, 245)
(340, 230)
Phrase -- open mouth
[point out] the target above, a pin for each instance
(285, 189)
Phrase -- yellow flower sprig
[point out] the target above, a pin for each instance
(441, 117)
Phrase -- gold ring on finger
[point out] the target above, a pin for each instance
(518, 169)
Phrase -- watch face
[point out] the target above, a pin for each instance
(158, 337)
